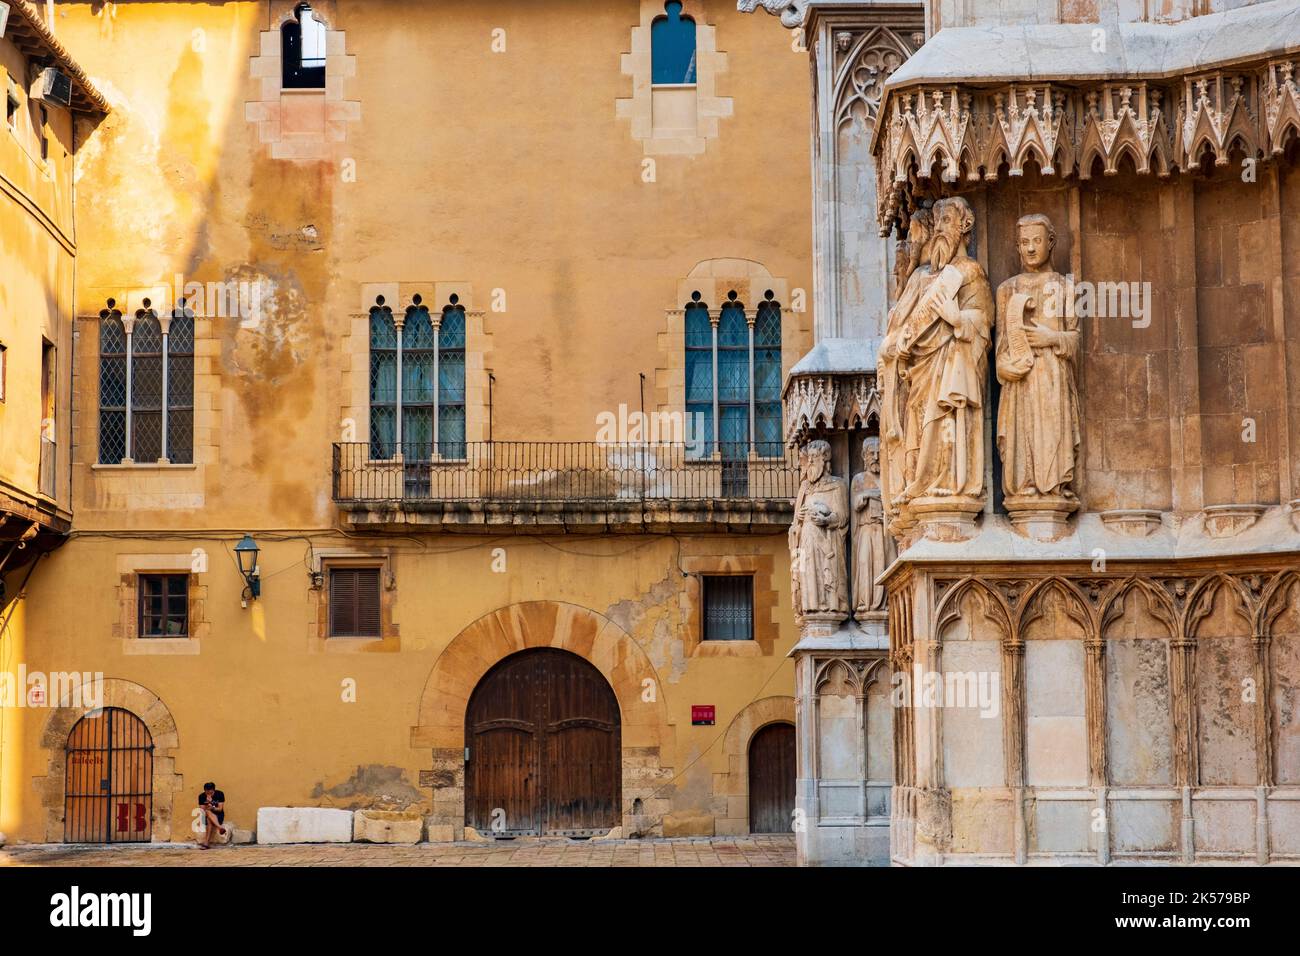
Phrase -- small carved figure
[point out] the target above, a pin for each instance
(817, 538)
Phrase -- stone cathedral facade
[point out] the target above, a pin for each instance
(1056, 401)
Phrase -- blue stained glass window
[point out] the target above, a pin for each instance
(451, 382)
(672, 46)
(383, 383)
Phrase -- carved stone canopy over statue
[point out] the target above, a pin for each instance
(1037, 360)
(871, 551)
(935, 354)
(818, 540)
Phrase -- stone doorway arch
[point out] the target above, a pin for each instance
(440, 724)
(733, 785)
(149, 708)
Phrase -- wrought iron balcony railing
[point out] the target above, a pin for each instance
(562, 472)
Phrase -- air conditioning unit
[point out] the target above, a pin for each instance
(4, 17)
(53, 87)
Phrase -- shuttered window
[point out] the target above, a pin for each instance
(354, 602)
(728, 608)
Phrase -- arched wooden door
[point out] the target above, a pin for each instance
(108, 784)
(543, 751)
(771, 779)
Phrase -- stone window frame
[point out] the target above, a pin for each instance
(766, 629)
(130, 567)
(354, 407)
(710, 63)
(128, 321)
(267, 109)
(437, 315)
(319, 639)
(713, 279)
(152, 485)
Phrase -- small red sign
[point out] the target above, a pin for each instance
(702, 715)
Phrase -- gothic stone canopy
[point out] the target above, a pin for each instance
(1168, 96)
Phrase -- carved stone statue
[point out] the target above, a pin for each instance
(1037, 360)
(912, 256)
(817, 539)
(938, 345)
(870, 543)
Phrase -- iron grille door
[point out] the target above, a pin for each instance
(108, 787)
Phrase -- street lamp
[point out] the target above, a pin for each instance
(246, 554)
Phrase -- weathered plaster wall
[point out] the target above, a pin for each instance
(506, 176)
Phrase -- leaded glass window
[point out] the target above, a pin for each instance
(741, 400)
(383, 382)
(451, 381)
(429, 391)
(112, 388)
(146, 387)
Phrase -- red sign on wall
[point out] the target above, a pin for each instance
(702, 714)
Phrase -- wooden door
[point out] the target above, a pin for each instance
(542, 736)
(108, 784)
(771, 779)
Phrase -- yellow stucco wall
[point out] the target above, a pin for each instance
(492, 171)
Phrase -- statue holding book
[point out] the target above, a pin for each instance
(1037, 359)
(936, 356)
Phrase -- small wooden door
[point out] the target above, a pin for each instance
(108, 787)
(771, 779)
(542, 736)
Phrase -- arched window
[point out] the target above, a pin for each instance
(112, 387)
(672, 47)
(383, 381)
(451, 381)
(733, 377)
(699, 374)
(421, 372)
(302, 50)
(146, 386)
(767, 378)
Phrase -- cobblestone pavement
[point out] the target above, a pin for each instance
(759, 850)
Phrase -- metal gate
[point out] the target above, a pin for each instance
(108, 788)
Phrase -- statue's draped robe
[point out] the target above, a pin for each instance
(820, 553)
(869, 554)
(893, 392)
(946, 373)
(1038, 414)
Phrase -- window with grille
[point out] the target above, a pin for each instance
(417, 381)
(164, 605)
(146, 387)
(728, 608)
(733, 377)
(354, 602)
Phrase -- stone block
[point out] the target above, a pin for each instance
(688, 823)
(387, 826)
(303, 825)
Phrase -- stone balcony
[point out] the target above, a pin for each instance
(560, 487)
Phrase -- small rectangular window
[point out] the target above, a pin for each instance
(354, 602)
(164, 605)
(45, 133)
(728, 608)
